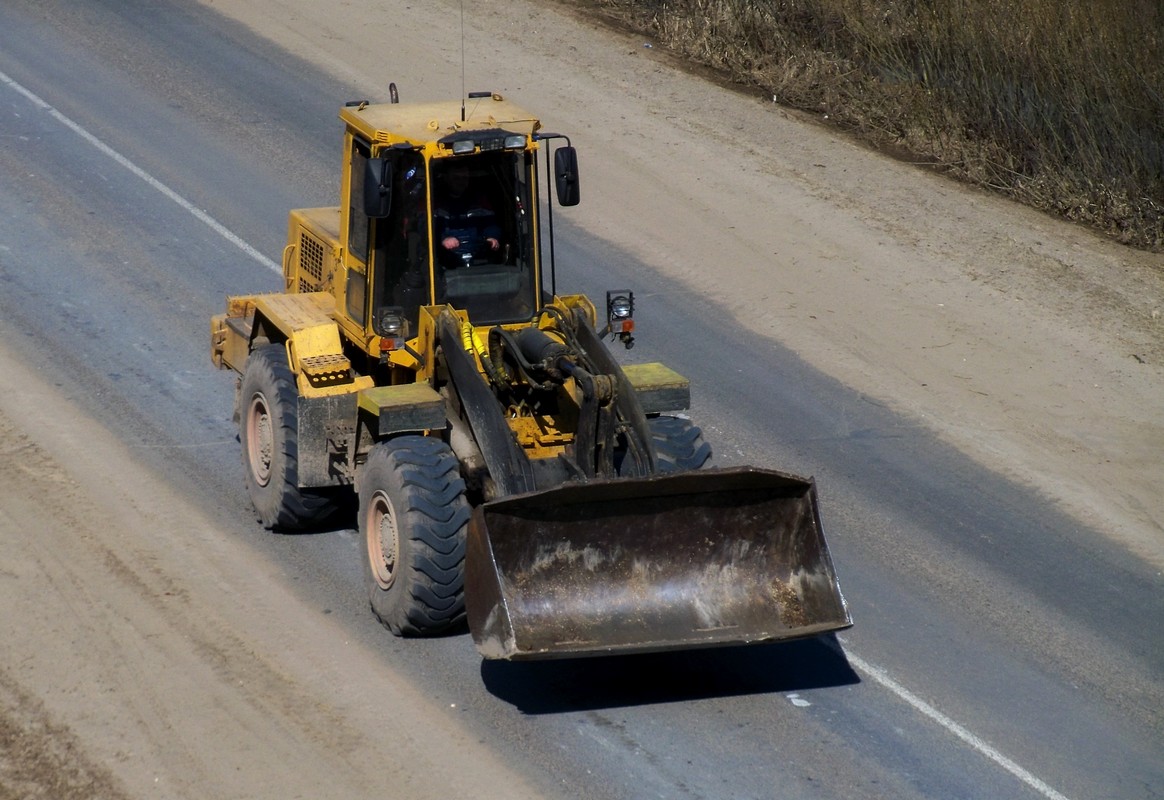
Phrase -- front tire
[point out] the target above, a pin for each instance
(269, 432)
(414, 518)
(679, 444)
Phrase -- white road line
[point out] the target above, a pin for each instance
(877, 674)
(198, 213)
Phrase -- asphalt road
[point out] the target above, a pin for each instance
(999, 650)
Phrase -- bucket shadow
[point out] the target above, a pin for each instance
(587, 684)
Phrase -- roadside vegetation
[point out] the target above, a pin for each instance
(1058, 104)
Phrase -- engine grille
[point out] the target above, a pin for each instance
(310, 263)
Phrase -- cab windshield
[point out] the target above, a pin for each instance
(482, 235)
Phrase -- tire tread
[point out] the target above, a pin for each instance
(422, 477)
(679, 444)
(281, 505)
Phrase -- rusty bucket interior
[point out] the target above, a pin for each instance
(702, 559)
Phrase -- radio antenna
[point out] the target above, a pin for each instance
(462, 60)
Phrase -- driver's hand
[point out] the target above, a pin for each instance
(450, 243)
(493, 243)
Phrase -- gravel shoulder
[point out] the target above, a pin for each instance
(128, 671)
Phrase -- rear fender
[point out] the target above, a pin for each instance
(306, 324)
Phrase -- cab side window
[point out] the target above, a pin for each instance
(401, 260)
(358, 241)
(357, 220)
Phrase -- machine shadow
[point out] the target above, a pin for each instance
(588, 684)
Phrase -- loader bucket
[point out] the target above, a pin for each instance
(699, 559)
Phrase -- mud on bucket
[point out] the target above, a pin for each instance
(701, 559)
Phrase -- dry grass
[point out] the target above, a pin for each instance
(1056, 103)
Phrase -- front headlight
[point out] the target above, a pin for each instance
(620, 306)
(620, 312)
(391, 324)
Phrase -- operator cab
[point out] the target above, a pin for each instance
(446, 212)
(457, 230)
(483, 235)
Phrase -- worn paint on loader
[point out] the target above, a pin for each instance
(701, 559)
(509, 470)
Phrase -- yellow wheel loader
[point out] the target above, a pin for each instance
(509, 471)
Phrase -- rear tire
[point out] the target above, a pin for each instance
(269, 432)
(414, 518)
(679, 444)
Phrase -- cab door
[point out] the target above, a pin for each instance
(400, 250)
(356, 235)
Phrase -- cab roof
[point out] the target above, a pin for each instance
(422, 123)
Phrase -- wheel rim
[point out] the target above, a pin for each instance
(383, 540)
(260, 440)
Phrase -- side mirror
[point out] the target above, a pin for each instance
(377, 187)
(566, 175)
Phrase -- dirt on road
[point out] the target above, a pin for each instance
(146, 650)
(1035, 347)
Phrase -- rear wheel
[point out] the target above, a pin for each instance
(414, 518)
(679, 444)
(269, 432)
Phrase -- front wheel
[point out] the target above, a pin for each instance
(679, 444)
(414, 518)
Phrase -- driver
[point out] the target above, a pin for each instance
(464, 223)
